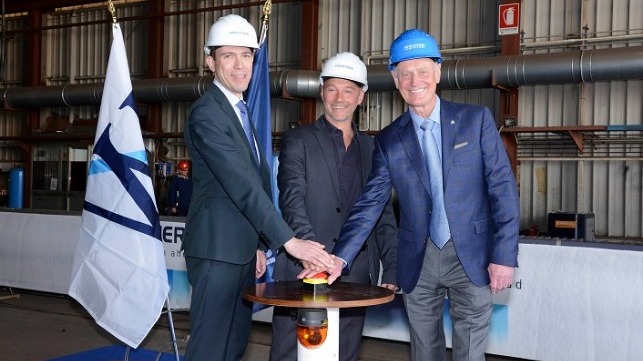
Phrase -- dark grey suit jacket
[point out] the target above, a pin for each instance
(231, 208)
(309, 199)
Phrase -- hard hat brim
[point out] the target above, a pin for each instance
(392, 66)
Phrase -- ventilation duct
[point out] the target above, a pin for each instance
(581, 66)
(586, 66)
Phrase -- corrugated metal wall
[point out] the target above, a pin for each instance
(455, 25)
(186, 34)
(606, 181)
(610, 188)
(11, 75)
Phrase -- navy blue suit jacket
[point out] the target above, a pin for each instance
(231, 208)
(481, 196)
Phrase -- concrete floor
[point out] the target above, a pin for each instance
(37, 326)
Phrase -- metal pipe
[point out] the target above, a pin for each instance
(580, 66)
(145, 91)
(582, 41)
(577, 159)
(295, 83)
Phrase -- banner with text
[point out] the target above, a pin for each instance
(575, 302)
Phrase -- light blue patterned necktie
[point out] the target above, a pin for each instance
(247, 128)
(439, 228)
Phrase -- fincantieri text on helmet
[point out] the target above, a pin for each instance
(238, 32)
(415, 46)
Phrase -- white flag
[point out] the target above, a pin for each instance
(119, 273)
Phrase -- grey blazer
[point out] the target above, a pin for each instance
(309, 199)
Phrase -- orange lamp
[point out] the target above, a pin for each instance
(312, 327)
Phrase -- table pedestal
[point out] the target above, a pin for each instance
(338, 295)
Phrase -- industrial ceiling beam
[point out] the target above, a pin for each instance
(20, 6)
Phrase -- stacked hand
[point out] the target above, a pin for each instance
(334, 271)
(311, 253)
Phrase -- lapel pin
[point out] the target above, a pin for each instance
(452, 121)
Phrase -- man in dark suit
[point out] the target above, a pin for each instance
(459, 218)
(231, 215)
(322, 170)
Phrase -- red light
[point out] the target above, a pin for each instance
(312, 327)
(312, 336)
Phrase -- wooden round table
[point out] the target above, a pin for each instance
(338, 295)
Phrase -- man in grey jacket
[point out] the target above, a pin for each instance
(322, 170)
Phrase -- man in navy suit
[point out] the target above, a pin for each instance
(231, 216)
(458, 231)
(323, 168)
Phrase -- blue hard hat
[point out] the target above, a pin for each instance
(413, 44)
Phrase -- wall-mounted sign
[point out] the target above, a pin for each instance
(508, 19)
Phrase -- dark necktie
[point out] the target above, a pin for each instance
(439, 229)
(247, 128)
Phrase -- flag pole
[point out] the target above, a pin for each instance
(175, 346)
(267, 9)
(112, 10)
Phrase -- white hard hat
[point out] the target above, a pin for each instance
(231, 30)
(346, 66)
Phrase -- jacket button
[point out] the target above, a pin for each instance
(338, 210)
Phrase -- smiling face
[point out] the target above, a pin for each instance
(417, 81)
(340, 97)
(232, 66)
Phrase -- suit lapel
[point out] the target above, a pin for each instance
(326, 148)
(364, 157)
(449, 125)
(408, 136)
(263, 158)
(225, 105)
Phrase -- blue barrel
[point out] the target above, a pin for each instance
(16, 187)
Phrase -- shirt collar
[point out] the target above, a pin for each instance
(434, 116)
(331, 128)
(233, 99)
